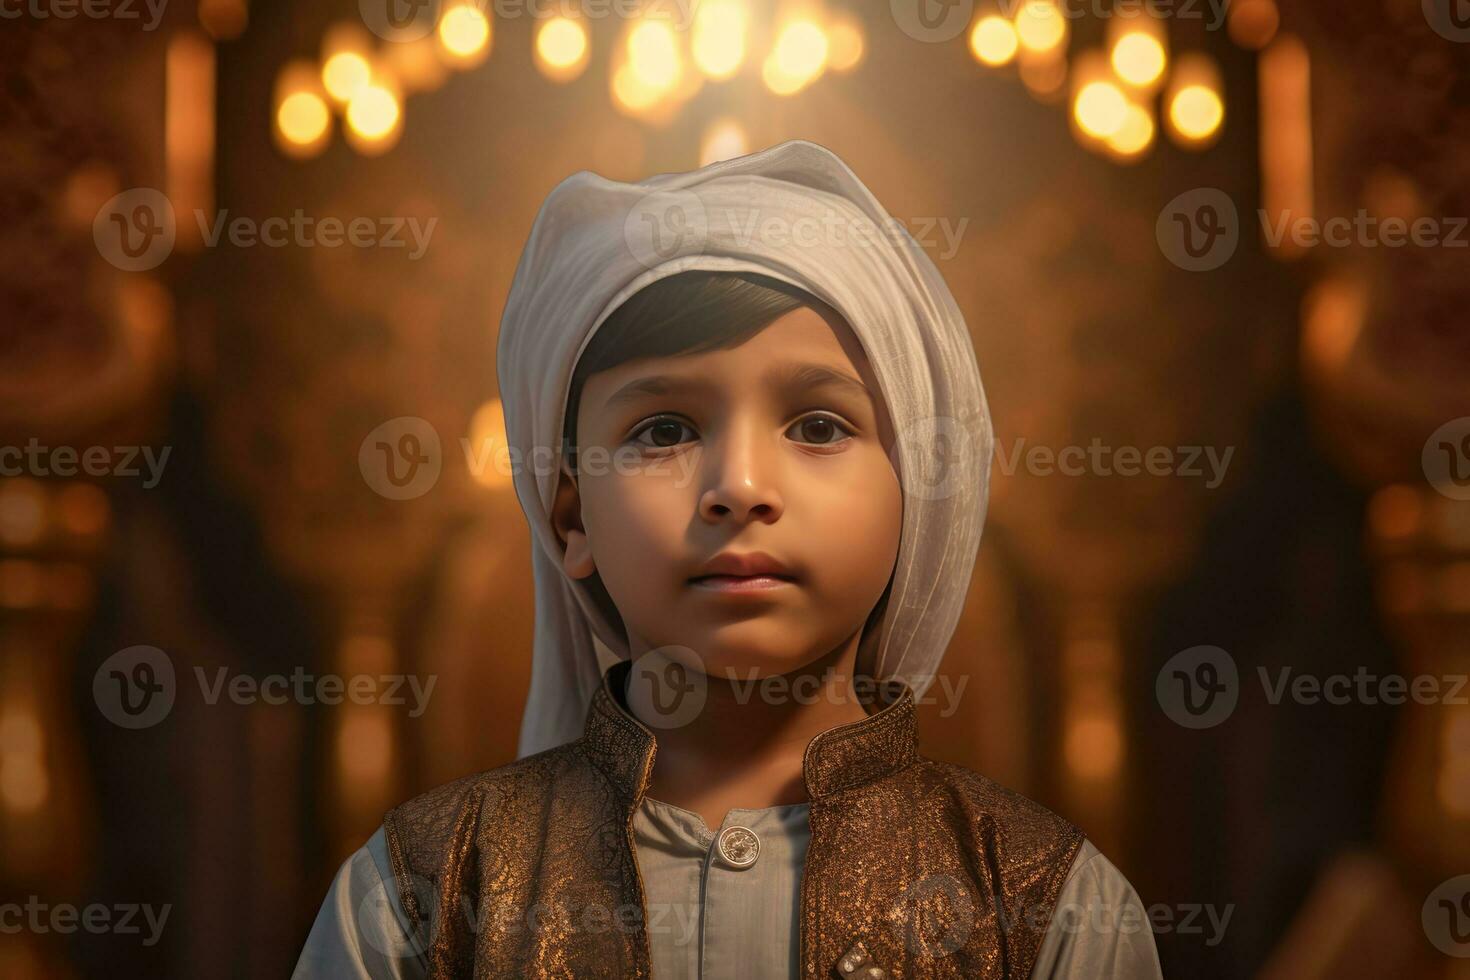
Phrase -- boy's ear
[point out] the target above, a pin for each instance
(566, 520)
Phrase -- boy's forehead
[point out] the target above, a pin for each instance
(801, 335)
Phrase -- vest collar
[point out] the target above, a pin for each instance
(841, 758)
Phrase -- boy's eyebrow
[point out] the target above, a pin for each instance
(816, 376)
(656, 384)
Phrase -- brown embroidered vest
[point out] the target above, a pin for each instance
(916, 868)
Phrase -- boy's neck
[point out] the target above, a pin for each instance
(744, 747)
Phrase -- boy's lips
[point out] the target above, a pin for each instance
(753, 571)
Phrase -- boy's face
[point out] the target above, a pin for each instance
(739, 502)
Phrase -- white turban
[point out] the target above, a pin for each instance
(794, 212)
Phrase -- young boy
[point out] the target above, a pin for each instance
(755, 455)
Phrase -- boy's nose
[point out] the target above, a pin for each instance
(743, 490)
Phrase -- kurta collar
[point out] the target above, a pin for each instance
(838, 759)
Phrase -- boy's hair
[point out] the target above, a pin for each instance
(686, 313)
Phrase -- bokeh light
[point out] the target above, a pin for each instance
(374, 118)
(718, 41)
(653, 55)
(797, 59)
(1138, 58)
(1136, 134)
(846, 43)
(562, 48)
(1195, 106)
(722, 140)
(464, 35)
(993, 40)
(1100, 108)
(302, 119)
(1040, 26)
(346, 61)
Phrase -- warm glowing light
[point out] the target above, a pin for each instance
(22, 511)
(561, 48)
(374, 118)
(416, 64)
(464, 35)
(302, 119)
(223, 20)
(1253, 23)
(630, 92)
(797, 59)
(1043, 75)
(1138, 58)
(993, 40)
(722, 140)
(1285, 86)
(653, 55)
(24, 784)
(846, 44)
(1196, 112)
(491, 462)
(1135, 135)
(1100, 109)
(1195, 107)
(344, 73)
(1094, 745)
(718, 41)
(364, 745)
(1040, 25)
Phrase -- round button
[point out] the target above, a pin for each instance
(739, 846)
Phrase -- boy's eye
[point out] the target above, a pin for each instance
(663, 433)
(818, 430)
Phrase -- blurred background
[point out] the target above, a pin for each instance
(252, 248)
